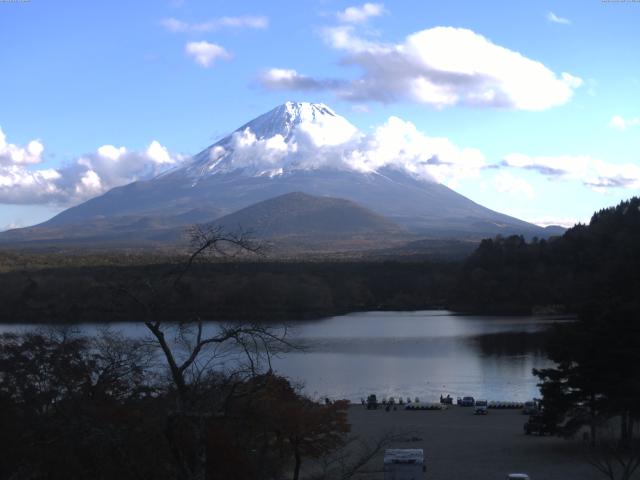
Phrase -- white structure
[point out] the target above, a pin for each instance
(404, 464)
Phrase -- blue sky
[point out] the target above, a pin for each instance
(557, 129)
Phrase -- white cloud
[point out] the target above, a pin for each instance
(396, 144)
(11, 154)
(158, 154)
(505, 182)
(288, 79)
(591, 172)
(571, 81)
(89, 185)
(360, 14)
(566, 222)
(621, 123)
(175, 25)
(12, 225)
(441, 66)
(618, 122)
(247, 21)
(360, 108)
(344, 38)
(553, 18)
(87, 176)
(20, 185)
(205, 53)
(263, 154)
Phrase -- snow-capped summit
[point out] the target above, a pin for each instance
(287, 118)
(275, 141)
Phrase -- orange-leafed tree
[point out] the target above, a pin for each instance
(272, 430)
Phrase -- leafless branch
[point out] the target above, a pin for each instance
(614, 460)
(214, 239)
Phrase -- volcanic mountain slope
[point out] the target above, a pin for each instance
(296, 147)
(300, 220)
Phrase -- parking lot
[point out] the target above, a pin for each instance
(460, 445)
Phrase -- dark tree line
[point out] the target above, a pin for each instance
(593, 270)
(245, 289)
(588, 264)
(595, 385)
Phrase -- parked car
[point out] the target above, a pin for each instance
(536, 425)
(372, 402)
(481, 407)
(518, 476)
(467, 402)
(530, 408)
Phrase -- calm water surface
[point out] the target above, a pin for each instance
(421, 354)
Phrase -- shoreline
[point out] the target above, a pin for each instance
(296, 317)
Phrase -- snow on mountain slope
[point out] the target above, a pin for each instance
(277, 141)
(323, 124)
(311, 136)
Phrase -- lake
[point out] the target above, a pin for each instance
(410, 354)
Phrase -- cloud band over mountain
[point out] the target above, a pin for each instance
(329, 141)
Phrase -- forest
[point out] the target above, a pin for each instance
(594, 271)
(503, 275)
(219, 289)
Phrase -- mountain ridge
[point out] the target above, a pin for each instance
(296, 147)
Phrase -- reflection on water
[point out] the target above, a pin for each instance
(510, 344)
(422, 354)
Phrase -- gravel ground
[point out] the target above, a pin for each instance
(460, 445)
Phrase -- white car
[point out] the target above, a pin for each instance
(518, 476)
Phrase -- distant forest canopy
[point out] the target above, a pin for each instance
(589, 263)
(222, 290)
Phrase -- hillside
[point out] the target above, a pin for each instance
(300, 220)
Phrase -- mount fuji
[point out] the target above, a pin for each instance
(296, 147)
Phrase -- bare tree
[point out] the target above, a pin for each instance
(616, 459)
(190, 348)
